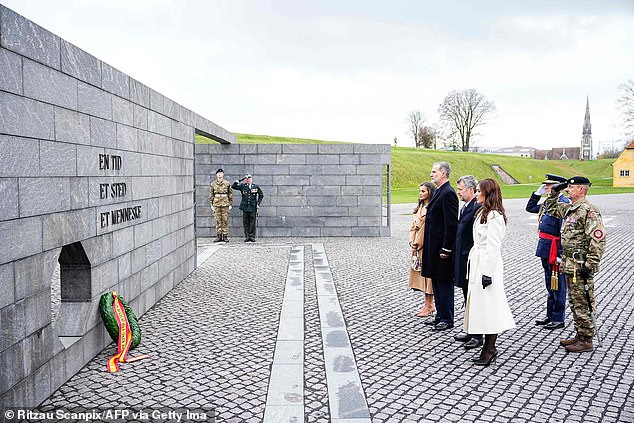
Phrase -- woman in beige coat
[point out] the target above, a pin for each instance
(487, 309)
(416, 236)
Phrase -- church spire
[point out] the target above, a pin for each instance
(586, 136)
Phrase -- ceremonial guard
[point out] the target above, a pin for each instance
(583, 243)
(549, 250)
(252, 196)
(221, 197)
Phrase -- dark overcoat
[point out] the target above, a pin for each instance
(440, 232)
(464, 242)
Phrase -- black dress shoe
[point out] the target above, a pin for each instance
(486, 358)
(431, 322)
(443, 326)
(541, 322)
(463, 337)
(473, 343)
(554, 325)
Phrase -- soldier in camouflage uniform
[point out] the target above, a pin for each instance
(221, 197)
(583, 243)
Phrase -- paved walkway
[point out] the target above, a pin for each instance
(317, 330)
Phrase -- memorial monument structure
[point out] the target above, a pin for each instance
(100, 177)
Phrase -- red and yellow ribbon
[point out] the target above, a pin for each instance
(125, 337)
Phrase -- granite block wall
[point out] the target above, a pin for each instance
(309, 189)
(96, 173)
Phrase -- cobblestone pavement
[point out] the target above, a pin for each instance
(213, 337)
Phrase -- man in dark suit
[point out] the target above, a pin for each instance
(464, 241)
(440, 235)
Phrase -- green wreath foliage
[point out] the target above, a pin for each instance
(110, 322)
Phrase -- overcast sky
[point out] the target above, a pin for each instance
(352, 70)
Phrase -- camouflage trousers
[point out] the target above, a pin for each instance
(578, 302)
(221, 214)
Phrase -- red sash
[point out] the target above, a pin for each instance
(552, 254)
(125, 337)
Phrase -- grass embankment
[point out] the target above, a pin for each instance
(411, 166)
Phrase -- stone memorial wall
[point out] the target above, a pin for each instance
(96, 180)
(309, 189)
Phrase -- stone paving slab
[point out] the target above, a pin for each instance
(213, 337)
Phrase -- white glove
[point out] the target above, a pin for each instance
(229, 207)
(541, 190)
(212, 209)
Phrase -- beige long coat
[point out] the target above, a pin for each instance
(416, 237)
(487, 310)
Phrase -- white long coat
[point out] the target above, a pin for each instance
(487, 310)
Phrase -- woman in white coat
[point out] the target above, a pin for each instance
(487, 310)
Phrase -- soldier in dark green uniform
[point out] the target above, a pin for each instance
(221, 197)
(583, 244)
(252, 196)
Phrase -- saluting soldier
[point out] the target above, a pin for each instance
(252, 196)
(221, 197)
(583, 244)
(549, 250)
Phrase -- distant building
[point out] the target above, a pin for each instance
(586, 137)
(558, 153)
(517, 151)
(623, 168)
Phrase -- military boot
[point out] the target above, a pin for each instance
(224, 238)
(582, 345)
(218, 238)
(570, 341)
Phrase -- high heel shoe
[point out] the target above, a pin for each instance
(482, 361)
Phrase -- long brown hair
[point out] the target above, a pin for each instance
(490, 189)
(431, 188)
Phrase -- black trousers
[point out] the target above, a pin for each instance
(248, 221)
(443, 298)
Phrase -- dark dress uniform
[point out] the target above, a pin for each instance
(549, 229)
(252, 196)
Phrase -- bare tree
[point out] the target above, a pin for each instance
(427, 137)
(463, 111)
(415, 122)
(626, 105)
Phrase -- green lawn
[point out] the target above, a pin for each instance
(410, 167)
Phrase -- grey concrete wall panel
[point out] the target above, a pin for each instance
(20, 238)
(159, 124)
(299, 148)
(103, 133)
(11, 75)
(349, 159)
(22, 116)
(49, 85)
(79, 194)
(140, 117)
(157, 101)
(94, 101)
(19, 156)
(43, 195)
(28, 39)
(115, 81)
(325, 159)
(79, 64)
(127, 138)
(58, 159)
(7, 284)
(9, 193)
(267, 159)
(335, 148)
(122, 111)
(64, 228)
(248, 148)
(139, 93)
(71, 126)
